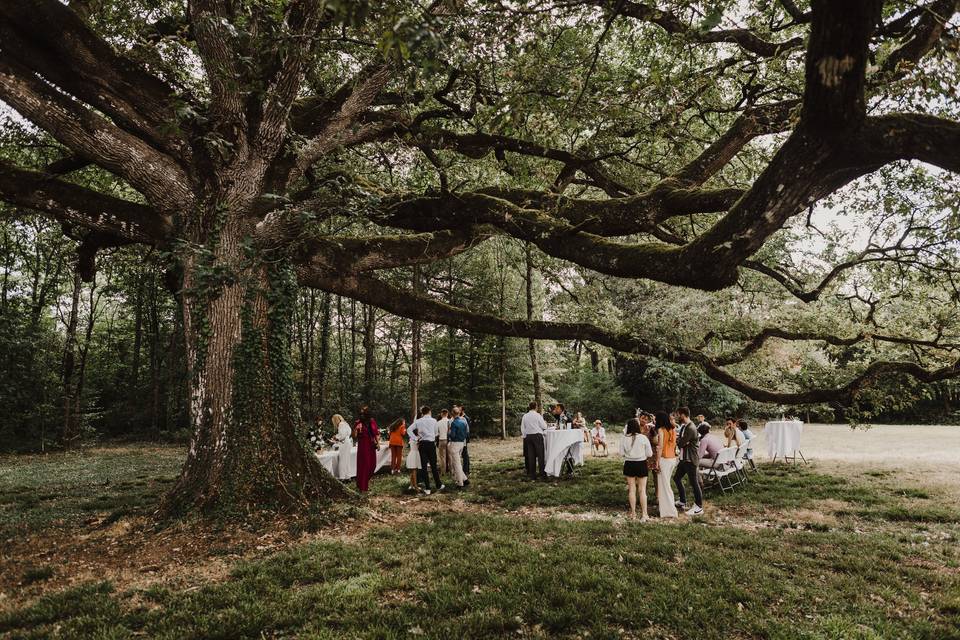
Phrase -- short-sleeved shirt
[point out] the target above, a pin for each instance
(532, 423)
(426, 428)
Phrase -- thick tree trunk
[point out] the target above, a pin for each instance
(247, 451)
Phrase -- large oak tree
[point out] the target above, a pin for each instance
(232, 131)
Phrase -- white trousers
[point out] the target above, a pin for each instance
(665, 488)
(454, 451)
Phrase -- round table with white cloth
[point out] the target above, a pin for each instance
(556, 444)
(783, 438)
(330, 458)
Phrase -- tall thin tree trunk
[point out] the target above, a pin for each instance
(324, 363)
(415, 354)
(534, 366)
(137, 330)
(70, 431)
(451, 337)
(92, 304)
(369, 351)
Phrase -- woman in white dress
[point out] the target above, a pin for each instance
(344, 441)
(413, 459)
(667, 452)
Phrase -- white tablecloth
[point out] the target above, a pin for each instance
(331, 460)
(783, 437)
(556, 444)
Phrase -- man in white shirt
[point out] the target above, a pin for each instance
(443, 425)
(532, 427)
(426, 428)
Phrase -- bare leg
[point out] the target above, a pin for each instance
(632, 496)
(643, 497)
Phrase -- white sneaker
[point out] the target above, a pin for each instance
(426, 491)
(695, 511)
(441, 487)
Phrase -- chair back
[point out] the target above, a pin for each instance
(726, 455)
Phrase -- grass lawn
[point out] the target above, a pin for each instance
(796, 554)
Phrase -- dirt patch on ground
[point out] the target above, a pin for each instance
(133, 553)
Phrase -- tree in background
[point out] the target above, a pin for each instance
(337, 145)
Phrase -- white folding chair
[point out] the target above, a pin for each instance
(726, 469)
(738, 462)
(717, 469)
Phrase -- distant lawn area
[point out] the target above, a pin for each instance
(794, 554)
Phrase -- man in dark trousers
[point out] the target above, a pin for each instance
(426, 428)
(465, 456)
(688, 442)
(532, 427)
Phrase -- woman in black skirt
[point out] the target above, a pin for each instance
(636, 448)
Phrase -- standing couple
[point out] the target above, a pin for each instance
(670, 453)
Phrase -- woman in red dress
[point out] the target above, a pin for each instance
(367, 436)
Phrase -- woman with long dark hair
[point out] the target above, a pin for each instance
(397, 429)
(367, 436)
(667, 454)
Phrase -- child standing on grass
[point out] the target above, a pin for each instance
(397, 429)
(636, 449)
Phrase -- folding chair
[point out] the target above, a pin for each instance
(749, 456)
(726, 470)
(718, 469)
(738, 463)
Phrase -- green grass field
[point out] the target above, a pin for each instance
(509, 558)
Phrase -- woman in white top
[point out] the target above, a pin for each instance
(636, 448)
(344, 440)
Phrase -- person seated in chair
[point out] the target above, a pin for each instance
(710, 445)
(734, 436)
(598, 436)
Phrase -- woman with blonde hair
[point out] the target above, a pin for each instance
(343, 438)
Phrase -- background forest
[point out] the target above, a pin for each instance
(106, 354)
(100, 351)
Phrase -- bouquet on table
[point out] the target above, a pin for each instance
(315, 439)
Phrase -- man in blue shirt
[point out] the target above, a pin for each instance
(466, 451)
(456, 441)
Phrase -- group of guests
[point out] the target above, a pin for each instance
(597, 435)
(669, 447)
(366, 434)
(436, 447)
(533, 425)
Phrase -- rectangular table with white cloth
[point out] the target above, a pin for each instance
(331, 460)
(557, 443)
(783, 439)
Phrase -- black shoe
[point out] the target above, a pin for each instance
(466, 483)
